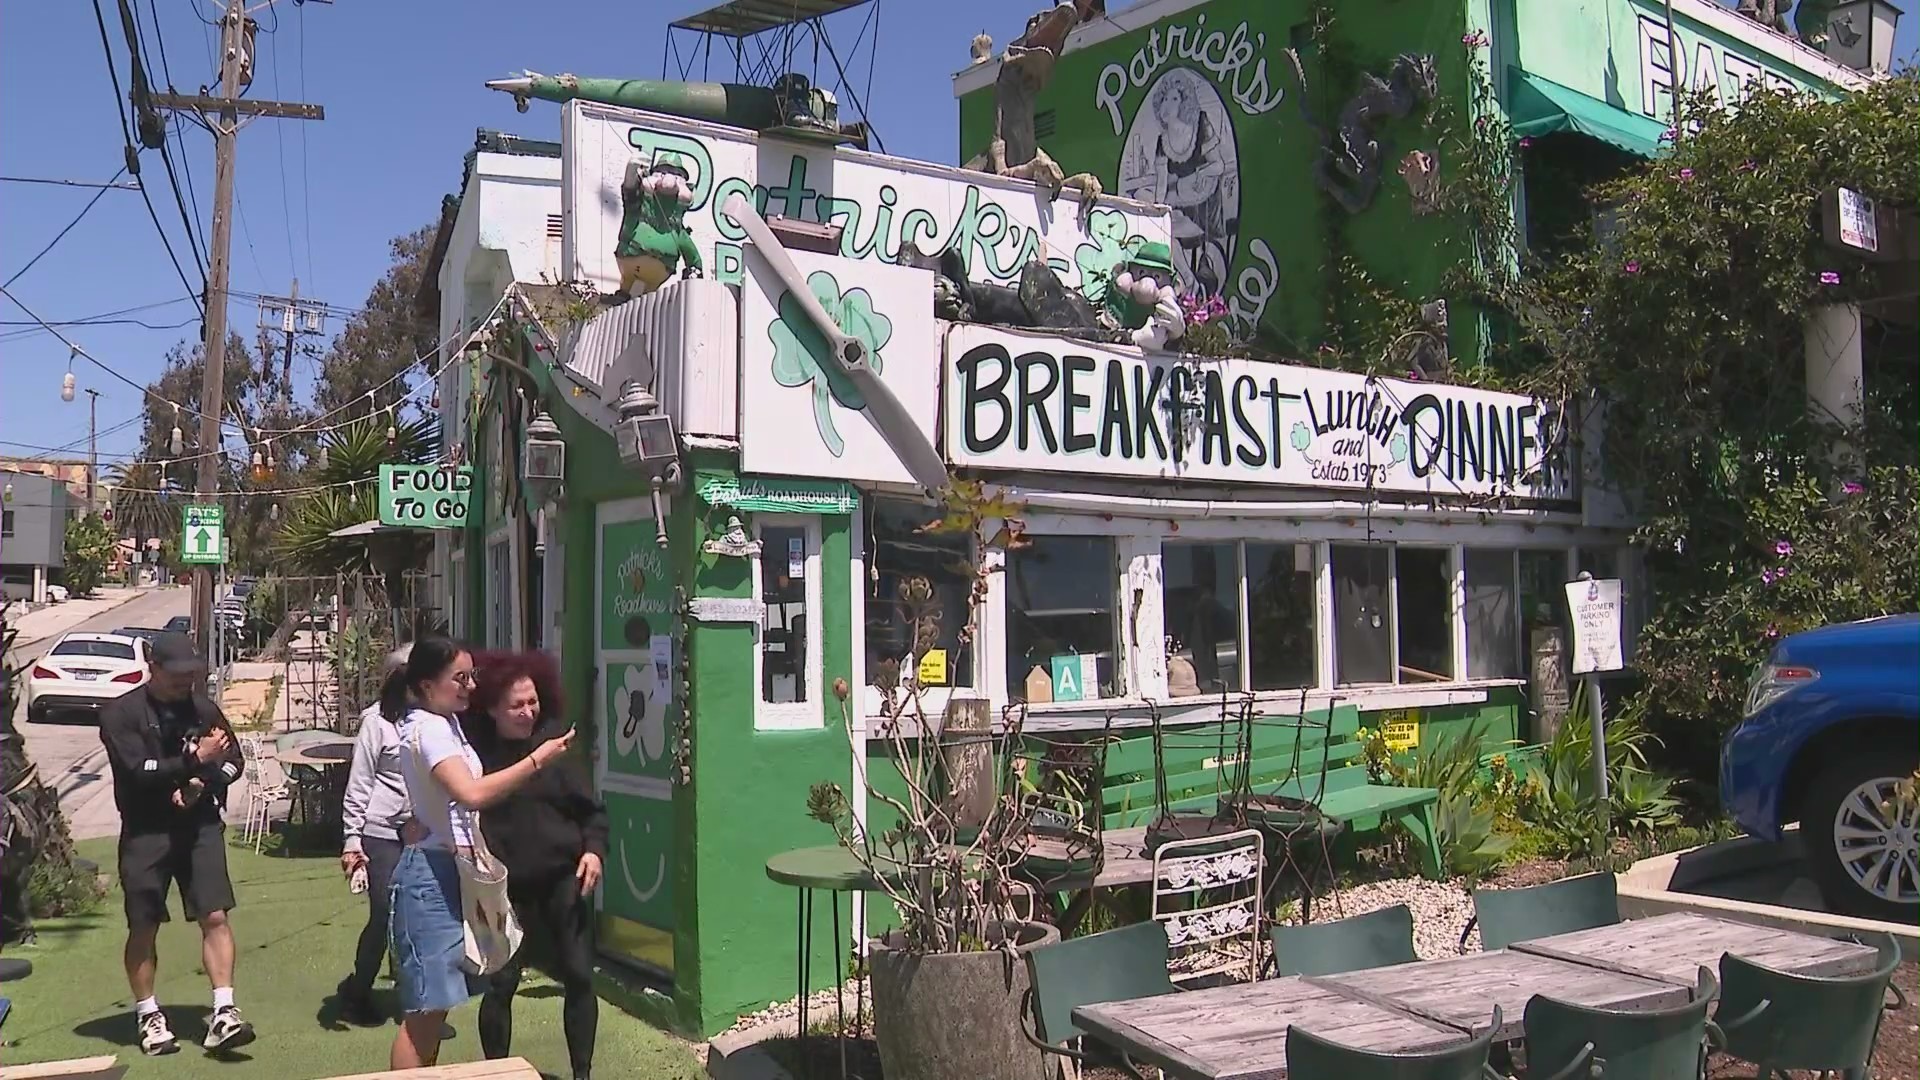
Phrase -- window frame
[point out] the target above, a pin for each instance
(1117, 578)
(809, 713)
(933, 698)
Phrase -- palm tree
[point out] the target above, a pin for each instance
(139, 510)
(354, 454)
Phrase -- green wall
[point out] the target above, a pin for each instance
(1290, 236)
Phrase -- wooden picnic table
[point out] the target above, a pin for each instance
(1673, 947)
(1461, 991)
(1239, 1032)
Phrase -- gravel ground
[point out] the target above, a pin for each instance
(820, 1009)
(1441, 909)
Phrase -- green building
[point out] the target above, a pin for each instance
(1238, 114)
(726, 603)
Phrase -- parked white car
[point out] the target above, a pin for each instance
(84, 672)
(57, 593)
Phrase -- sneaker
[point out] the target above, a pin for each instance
(227, 1030)
(156, 1037)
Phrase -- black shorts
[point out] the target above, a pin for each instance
(194, 856)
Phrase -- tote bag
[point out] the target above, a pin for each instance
(492, 931)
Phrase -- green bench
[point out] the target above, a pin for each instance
(1196, 778)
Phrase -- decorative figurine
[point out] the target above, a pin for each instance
(1142, 298)
(653, 231)
(1348, 165)
(1025, 69)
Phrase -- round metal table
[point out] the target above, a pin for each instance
(835, 870)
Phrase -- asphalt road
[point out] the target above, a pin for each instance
(68, 751)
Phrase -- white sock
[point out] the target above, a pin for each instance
(223, 997)
(146, 1005)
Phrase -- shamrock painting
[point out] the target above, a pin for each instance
(1107, 246)
(801, 356)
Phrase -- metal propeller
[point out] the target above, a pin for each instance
(888, 416)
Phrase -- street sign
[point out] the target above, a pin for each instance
(425, 496)
(1598, 620)
(203, 535)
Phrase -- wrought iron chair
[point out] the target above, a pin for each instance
(1565, 1040)
(1558, 907)
(1779, 1020)
(1285, 804)
(1055, 784)
(1310, 1057)
(1115, 965)
(1377, 939)
(1217, 750)
(1209, 894)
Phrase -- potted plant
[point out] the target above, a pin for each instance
(948, 982)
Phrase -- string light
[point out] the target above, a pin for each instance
(66, 387)
(176, 442)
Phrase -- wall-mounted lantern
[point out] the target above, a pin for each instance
(543, 466)
(1860, 34)
(648, 442)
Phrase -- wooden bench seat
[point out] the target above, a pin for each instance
(502, 1069)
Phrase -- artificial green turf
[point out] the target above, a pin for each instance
(295, 924)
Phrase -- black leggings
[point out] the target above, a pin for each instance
(551, 911)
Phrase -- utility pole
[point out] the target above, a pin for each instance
(93, 449)
(223, 113)
(295, 320)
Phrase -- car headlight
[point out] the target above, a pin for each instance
(1771, 682)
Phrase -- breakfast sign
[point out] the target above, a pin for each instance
(1034, 403)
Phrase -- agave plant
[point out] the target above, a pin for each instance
(354, 454)
(1469, 844)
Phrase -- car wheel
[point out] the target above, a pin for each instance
(1863, 841)
(37, 713)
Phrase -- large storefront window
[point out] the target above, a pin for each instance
(1492, 614)
(1062, 620)
(1280, 616)
(917, 597)
(1362, 614)
(1202, 595)
(1423, 580)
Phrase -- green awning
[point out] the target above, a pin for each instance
(1541, 107)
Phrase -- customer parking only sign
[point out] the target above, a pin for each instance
(1598, 618)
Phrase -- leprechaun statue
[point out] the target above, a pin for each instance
(653, 230)
(1141, 298)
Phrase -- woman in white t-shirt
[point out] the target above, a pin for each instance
(447, 788)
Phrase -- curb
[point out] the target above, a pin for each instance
(738, 1055)
(1658, 885)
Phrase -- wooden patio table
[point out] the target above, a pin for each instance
(1673, 947)
(1239, 1032)
(1461, 991)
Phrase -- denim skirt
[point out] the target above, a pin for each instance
(427, 933)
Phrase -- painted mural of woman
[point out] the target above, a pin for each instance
(1180, 151)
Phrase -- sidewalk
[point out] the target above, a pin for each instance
(54, 619)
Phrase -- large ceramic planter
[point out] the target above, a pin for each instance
(956, 1016)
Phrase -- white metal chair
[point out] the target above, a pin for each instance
(1207, 893)
(266, 785)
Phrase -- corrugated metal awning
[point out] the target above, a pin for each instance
(744, 18)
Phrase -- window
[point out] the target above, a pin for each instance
(1281, 637)
(1543, 593)
(917, 576)
(1492, 614)
(6, 523)
(500, 594)
(1423, 580)
(1201, 590)
(1600, 562)
(1362, 615)
(109, 650)
(1062, 622)
(784, 662)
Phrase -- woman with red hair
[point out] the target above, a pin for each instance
(552, 836)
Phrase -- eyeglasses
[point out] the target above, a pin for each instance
(464, 678)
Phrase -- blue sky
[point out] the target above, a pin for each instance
(401, 83)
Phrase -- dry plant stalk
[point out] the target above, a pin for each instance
(953, 886)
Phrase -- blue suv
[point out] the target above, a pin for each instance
(1832, 728)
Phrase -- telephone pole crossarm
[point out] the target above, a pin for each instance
(285, 110)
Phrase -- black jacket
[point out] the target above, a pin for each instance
(149, 764)
(541, 830)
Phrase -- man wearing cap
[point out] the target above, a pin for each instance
(173, 755)
(373, 811)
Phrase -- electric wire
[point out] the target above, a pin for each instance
(67, 229)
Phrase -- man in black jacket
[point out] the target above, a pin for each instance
(173, 755)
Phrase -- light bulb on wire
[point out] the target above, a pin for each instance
(66, 387)
(176, 442)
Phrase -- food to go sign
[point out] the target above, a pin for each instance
(425, 496)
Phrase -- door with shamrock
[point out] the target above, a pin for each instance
(634, 654)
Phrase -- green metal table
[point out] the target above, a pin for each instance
(835, 870)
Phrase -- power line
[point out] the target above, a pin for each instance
(69, 227)
(132, 185)
(280, 141)
(306, 174)
(133, 159)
